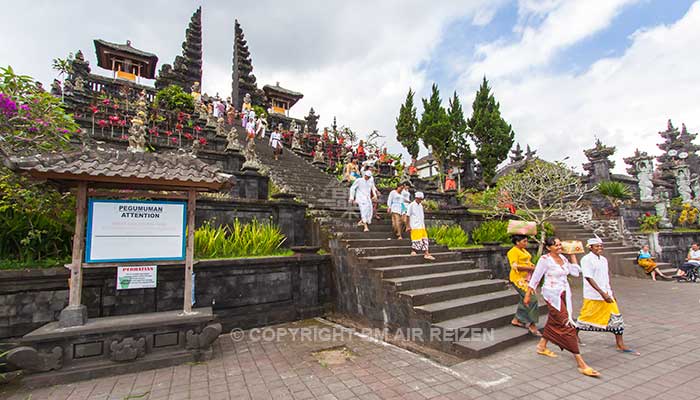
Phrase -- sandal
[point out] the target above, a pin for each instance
(518, 324)
(547, 352)
(629, 351)
(535, 333)
(429, 257)
(588, 371)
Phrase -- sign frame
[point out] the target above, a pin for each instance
(90, 221)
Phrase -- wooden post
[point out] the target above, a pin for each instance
(189, 252)
(76, 276)
(76, 313)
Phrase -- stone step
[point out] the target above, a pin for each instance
(360, 243)
(364, 235)
(419, 297)
(450, 309)
(423, 269)
(485, 320)
(393, 250)
(437, 279)
(356, 228)
(388, 261)
(489, 342)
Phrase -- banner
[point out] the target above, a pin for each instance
(137, 277)
(121, 231)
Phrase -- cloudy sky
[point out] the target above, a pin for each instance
(564, 71)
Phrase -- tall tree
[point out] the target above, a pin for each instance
(492, 135)
(407, 125)
(461, 152)
(435, 131)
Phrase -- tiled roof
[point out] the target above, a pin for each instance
(280, 89)
(180, 169)
(125, 48)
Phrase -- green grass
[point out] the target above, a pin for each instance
(280, 253)
(686, 230)
(469, 246)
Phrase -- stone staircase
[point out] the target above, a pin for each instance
(457, 307)
(294, 175)
(622, 259)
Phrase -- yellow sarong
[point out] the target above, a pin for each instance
(418, 234)
(598, 315)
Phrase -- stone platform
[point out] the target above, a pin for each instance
(114, 345)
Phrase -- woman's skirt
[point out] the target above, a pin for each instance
(419, 239)
(600, 316)
(526, 314)
(647, 263)
(558, 329)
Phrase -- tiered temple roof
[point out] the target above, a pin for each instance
(242, 79)
(187, 68)
(124, 57)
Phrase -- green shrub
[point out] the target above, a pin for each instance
(491, 231)
(449, 235)
(479, 200)
(173, 98)
(430, 205)
(260, 111)
(239, 240)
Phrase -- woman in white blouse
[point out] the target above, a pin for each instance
(560, 329)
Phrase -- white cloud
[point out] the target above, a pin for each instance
(624, 100)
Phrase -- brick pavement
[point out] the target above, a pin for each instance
(662, 319)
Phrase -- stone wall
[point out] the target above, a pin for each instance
(287, 214)
(244, 293)
(675, 246)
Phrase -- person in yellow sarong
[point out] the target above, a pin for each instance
(600, 312)
(521, 267)
(646, 261)
(416, 225)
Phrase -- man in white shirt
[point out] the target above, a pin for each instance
(395, 205)
(599, 312)
(361, 194)
(416, 225)
(692, 261)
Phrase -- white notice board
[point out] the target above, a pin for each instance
(132, 230)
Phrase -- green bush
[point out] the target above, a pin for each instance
(239, 240)
(260, 111)
(479, 200)
(449, 235)
(36, 222)
(614, 190)
(430, 205)
(173, 98)
(491, 231)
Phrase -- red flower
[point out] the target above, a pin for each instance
(153, 131)
(180, 116)
(124, 137)
(93, 109)
(174, 140)
(102, 123)
(203, 141)
(178, 127)
(122, 122)
(105, 101)
(648, 214)
(168, 133)
(188, 136)
(197, 128)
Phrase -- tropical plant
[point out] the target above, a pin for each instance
(492, 135)
(260, 111)
(451, 236)
(173, 98)
(31, 119)
(491, 231)
(64, 67)
(649, 222)
(688, 215)
(615, 192)
(475, 199)
(238, 240)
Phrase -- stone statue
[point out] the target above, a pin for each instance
(196, 145)
(293, 127)
(247, 103)
(696, 187)
(405, 177)
(137, 130)
(232, 141)
(196, 93)
(296, 140)
(79, 84)
(318, 153)
(220, 128)
(203, 111)
(251, 161)
(683, 183)
(661, 208)
(644, 174)
(56, 88)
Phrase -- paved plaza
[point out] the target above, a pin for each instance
(662, 322)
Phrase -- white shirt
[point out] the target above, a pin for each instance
(361, 190)
(395, 201)
(555, 280)
(694, 254)
(595, 267)
(275, 139)
(416, 216)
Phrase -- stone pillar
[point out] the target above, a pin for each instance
(599, 164)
